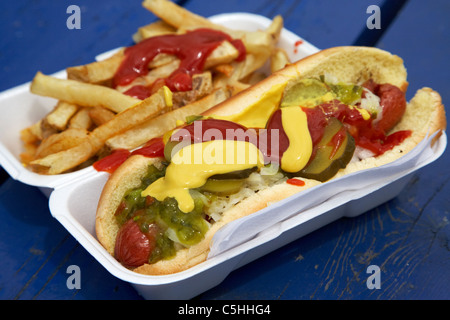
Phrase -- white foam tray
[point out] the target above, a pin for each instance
(73, 197)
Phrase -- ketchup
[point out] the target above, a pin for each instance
(297, 44)
(191, 48)
(275, 123)
(154, 148)
(363, 131)
(111, 162)
(139, 92)
(296, 182)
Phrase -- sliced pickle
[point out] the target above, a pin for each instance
(173, 147)
(168, 148)
(306, 93)
(240, 174)
(222, 187)
(347, 93)
(329, 157)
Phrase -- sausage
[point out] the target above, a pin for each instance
(133, 247)
(392, 101)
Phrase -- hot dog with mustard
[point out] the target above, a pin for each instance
(339, 111)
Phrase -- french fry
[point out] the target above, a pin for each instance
(156, 28)
(225, 53)
(60, 141)
(33, 133)
(68, 159)
(81, 120)
(155, 127)
(100, 115)
(278, 60)
(80, 93)
(201, 86)
(46, 129)
(28, 153)
(175, 15)
(99, 72)
(161, 60)
(149, 79)
(61, 114)
(275, 28)
(92, 117)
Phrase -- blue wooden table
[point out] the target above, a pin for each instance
(407, 237)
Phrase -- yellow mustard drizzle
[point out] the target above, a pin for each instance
(257, 114)
(168, 96)
(364, 113)
(191, 166)
(295, 125)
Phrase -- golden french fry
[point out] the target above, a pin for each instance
(81, 120)
(65, 160)
(275, 28)
(259, 46)
(100, 115)
(155, 127)
(148, 108)
(60, 141)
(32, 133)
(225, 69)
(161, 59)
(99, 72)
(175, 15)
(154, 29)
(61, 114)
(27, 155)
(46, 129)
(278, 60)
(160, 72)
(224, 53)
(80, 93)
(201, 86)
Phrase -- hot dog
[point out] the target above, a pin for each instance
(339, 111)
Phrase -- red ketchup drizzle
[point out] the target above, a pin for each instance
(191, 48)
(111, 162)
(296, 182)
(139, 92)
(363, 131)
(297, 44)
(275, 123)
(152, 149)
(337, 141)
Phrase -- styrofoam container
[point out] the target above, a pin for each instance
(73, 197)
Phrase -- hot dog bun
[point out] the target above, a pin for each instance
(424, 114)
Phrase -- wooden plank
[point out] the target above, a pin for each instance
(36, 252)
(35, 36)
(420, 36)
(324, 23)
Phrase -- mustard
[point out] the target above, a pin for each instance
(168, 95)
(295, 125)
(256, 115)
(191, 166)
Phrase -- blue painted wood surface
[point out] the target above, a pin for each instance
(408, 237)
